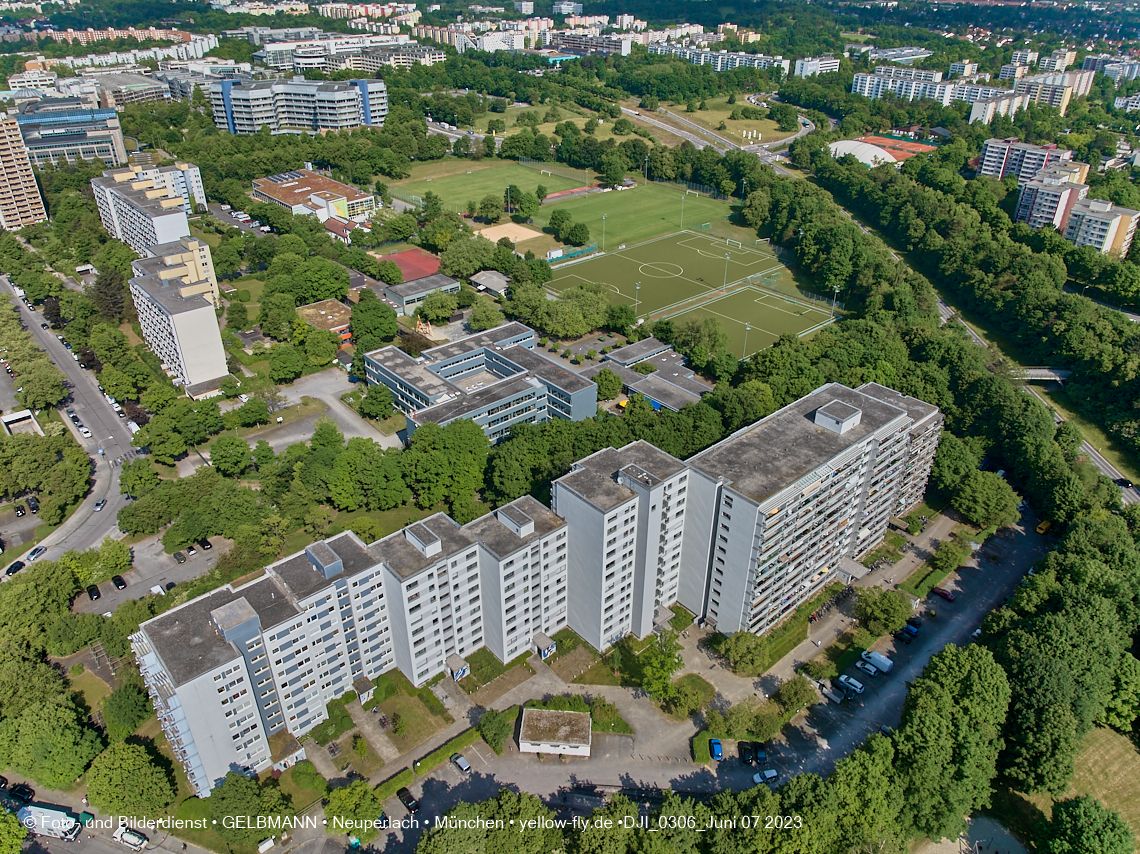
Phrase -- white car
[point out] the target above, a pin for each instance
(854, 684)
(84, 432)
(244, 398)
(116, 407)
(765, 776)
(869, 669)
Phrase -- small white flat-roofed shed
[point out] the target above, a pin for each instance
(546, 731)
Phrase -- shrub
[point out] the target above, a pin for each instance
(243, 295)
(306, 776)
(388, 788)
(75, 670)
(495, 727)
(820, 669)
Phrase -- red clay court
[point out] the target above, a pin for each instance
(413, 263)
(901, 149)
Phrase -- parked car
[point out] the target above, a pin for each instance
(761, 752)
(944, 593)
(715, 749)
(181, 558)
(1043, 527)
(22, 793)
(854, 684)
(14, 568)
(204, 545)
(20, 511)
(914, 622)
(84, 432)
(869, 669)
(462, 764)
(191, 551)
(408, 800)
(117, 580)
(910, 631)
(36, 553)
(746, 754)
(33, 504)
(903, 637)
(100, 504)
(93, 592)
(765, 776)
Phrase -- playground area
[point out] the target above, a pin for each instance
(691, 274)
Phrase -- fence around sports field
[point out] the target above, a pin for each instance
(580, 175)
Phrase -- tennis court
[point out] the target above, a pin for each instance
(690, 274)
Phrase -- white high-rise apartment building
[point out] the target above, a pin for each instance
(963, 69)
(1001, 157)
(298, 104)
(1106, 227)
(740, 534)
(812, 65)
(1058, 60)
(1024, 57)
(238, 675)
(1049, 198)
(144, 206)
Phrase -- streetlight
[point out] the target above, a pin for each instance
(744, 195)
(747, 329)
(637, 305)
(508, 200)
(603, 232)
(834, 299)
(727, 255)
(683, 209)
(647, 169)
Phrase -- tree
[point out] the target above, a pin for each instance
(559, 219)
(659, 662)
(438, 306)
(374, 318)
(987, 500)
(485, 315)
(620, 317)
(12, 833)
(491, 208)
(137, 478)
(123, 711)
(124, 780)
(277, 314)
(237, 315)
(285, 363)
(526, 205)
(464, 257)
(230, 455)
(353, 809)
(117, 383)
(609, 384)
(882, 611)
(43, 385)
(953, 462)
(614, 167)
(1083, 824)
(321, 346)
(577, 235)
(48, 743)
(495, 728)
(377, 404)
(795, 694)
(239, 795)
(746, 652)
(109, 293)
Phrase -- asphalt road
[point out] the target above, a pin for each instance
(224, 216)
(831, 732)
(109, 434)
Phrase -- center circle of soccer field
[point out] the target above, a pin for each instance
(661, 271)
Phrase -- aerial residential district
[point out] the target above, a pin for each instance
(569, 427)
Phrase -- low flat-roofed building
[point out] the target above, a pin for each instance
(304, 192)
(495, 378)
(547, 731)
(638, 351)
(406, 296)
(492, 281)
(331, 315)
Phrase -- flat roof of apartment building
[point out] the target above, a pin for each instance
(474, 342)
(295, 187)
(168, 292)
(404, 559)
(501, 540)
(470, 402)
(595, 477)
(775, 452)
(330, 315)
(544, 368)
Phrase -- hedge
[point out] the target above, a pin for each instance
(700, 746)
(388, 788)
(444, 752)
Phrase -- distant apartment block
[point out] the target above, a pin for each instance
(740, 534)
(298, 104)
(963, 69)
(1024, 57)
(564, 7)
(986, 109)
(20, 200)
(92, 36)
(304, 192)
(401, 56)
(1058, 60)
(175, 301)
(140, 211)
(721, 60)
(34, 79)
(1130, 104)
(1056, 89)
(1119, 69)
(1050, 197)
(120, 89)
(1001, 157)
(584, 45)
(68, 128)
(494, 378)
(1013, 71)
(1106, 227)
(813, 65)
(526, 7)
(900, 55)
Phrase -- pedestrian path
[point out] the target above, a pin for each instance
(370, 728)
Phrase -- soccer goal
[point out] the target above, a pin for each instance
(706, 226)
(730, 243)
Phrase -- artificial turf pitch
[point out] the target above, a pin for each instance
(692, 275)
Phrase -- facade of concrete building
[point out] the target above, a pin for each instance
(145, 206)
(721, 60)
(401, 56)
(963, 69)
(495, 378)
(1106, 227)
(1129, 104)
(1013, 71)
(188, 260)
(813, 65)
(233, 670)
(1058, 60)
(580, 44)
(1025, 57)
(877, 85)
(1049, 198)
(1001, 157)
(406, 296)
(20, 200)
(900, 55)
(985, 110)
(35, 79)
(298, 104)
(69, 128)
(784, 506)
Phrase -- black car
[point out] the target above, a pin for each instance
(3, 783)
(914, 621)
(20, 511)
(14, 568)
(408, 800)
(1124, 482)
(204, 545)
(93, 592)
(761, 752)
(117, 580)
(746, 754)
(181, 558)
(33, 504)
(22, 793)
(903, 637)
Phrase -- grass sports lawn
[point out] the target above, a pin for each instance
(459, 181)
(682, 275)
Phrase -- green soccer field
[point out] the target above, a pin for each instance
(693, 275)
(460, 182)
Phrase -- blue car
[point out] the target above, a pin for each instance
(715, 750)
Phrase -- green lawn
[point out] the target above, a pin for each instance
(420, 724)
(719, 111)
(1124, 462)
(302, 799)
(90, 687)
(702, 686)
(459, 181)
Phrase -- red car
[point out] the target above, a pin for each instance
(945, 594)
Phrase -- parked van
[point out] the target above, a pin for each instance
(1043, 527)
(52, 822)
(133, 427)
